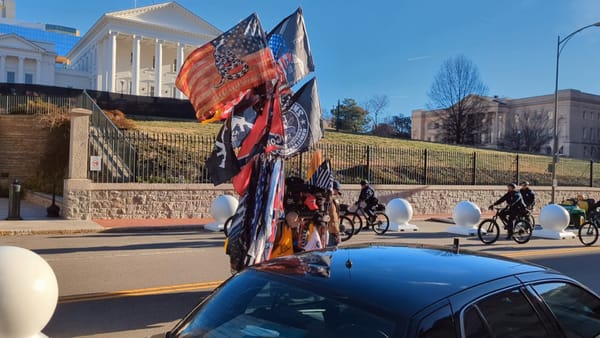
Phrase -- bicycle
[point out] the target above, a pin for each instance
(379, 222)
(489, 231)
(346, 227)
(588, 231)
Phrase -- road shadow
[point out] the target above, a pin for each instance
(180, 244)
(118, 315)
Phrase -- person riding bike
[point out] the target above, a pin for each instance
(367, 198)
(528, 195)
(515, 207)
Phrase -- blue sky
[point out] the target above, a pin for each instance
(395, 47)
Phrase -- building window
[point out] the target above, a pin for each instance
(131, 58)
(10, 77)
(173, 92)
(130, 89)
(585, 133)
(29, 78)
(153, 62)
(151, 90)
(174, 65)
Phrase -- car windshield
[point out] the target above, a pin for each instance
(258, 304)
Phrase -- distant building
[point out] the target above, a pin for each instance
(137, 51)
(578, 122)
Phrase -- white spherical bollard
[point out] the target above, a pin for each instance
(28, 292)
(554, 217)
(466, 216)
(223, 207)
(400, 212)
(553, 220)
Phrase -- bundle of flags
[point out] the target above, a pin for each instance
(246, 77)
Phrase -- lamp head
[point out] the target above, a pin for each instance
(597, 24)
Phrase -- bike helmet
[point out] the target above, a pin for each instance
(364, 182)
(512, 185)
(524, 183)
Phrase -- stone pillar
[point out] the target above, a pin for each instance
(76, 190)
(180, 60)
(112, 51)
(158, 69)
(38, 71)
(20, 71)
(2, 68)
(135, 66)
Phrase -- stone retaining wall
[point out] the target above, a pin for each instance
(134, 201)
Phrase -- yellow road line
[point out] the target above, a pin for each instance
(139, 292)
(551, 252)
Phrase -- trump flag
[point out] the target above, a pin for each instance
(220, 70)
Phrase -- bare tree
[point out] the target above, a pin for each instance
(528, 131)
(457, 94)
(376, 106)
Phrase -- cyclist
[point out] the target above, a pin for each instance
(367, 198)
(528, 195)
(515, 207)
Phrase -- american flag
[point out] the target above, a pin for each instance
(322, 177)
(218, 71)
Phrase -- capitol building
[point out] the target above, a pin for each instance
(137, 51)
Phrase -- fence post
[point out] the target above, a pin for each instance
(591, 173)
(425, 158)
(474, 170)
(369, 163)
(518, 173)
(300, 165)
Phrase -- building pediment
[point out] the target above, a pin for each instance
(15, 41)
(169, 15)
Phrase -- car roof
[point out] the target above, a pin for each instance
(392, 276)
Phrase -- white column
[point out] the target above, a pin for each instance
(135, 66)
(38, 72)
(20, 71)
(112, 52)
(99, 66)
(2, 68)
(180, 60)
(158, 69)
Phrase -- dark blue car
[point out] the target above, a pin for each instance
(395, 291)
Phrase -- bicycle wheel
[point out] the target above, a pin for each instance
(522, 231)
(226, 225)
(356, 220)
(588, 233)
(381, 223)
(346, 228)
(488, 231)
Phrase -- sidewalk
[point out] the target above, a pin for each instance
(35, 221)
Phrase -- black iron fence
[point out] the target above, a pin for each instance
(175, 158)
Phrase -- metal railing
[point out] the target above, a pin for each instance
(175, 158)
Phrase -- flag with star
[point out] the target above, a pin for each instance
(217, 72)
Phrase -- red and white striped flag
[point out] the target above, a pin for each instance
(221, 70)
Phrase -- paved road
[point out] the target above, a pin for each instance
(138, 284)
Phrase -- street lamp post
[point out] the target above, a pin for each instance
(560, 45)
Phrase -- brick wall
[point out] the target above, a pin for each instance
(22, 145)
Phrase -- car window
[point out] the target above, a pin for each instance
(258, 305)
(577, 310)
(505, 314)
(438, 324)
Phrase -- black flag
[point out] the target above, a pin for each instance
(222, 164)
(302, 121)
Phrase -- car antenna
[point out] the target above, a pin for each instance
(456, 245)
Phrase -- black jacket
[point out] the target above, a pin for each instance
(528, 197)
(514, 201)
(366, 194)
